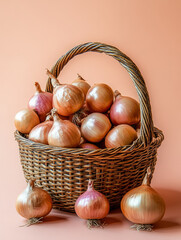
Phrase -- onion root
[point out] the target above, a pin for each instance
(32, 221)
(91, 223)
(142, 227)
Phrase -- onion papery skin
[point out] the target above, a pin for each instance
(64, 134)
(88, 146)
(67, 99)
(125, 110)
(99, 98)
(95, 126)
(143, 205)
(40, 132)
(41, 103)
(25, 120)
(120, 135)
(92, 205)
(33, 202)
(82, 85)
(78, 116)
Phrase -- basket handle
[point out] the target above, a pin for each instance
(146, 131)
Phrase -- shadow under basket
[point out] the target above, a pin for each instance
(64, 172)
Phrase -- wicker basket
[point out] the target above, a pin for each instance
(64, 172)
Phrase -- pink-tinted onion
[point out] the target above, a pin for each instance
(88, 145)
(92, 204)
(41, 102)
(124, 110)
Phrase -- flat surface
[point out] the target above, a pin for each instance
(34, 34)
(67, 225)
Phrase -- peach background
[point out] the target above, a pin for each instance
(34, 34)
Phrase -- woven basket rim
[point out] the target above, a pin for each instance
(158, 138)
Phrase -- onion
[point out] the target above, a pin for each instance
(143, 205)
(33, 203)
(63, 133)
(95, 126)
(67, 98)
(124, 110)
(41, 102)
(120, 135)
(81, 84)
(92, 206)
(25, 120)
(99, 98)
(88, 145)
(40, 132)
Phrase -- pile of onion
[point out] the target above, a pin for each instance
(143, 205)
(33, 203)
(104, 118)
(92, 206)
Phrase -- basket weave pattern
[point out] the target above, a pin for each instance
(64, 172)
